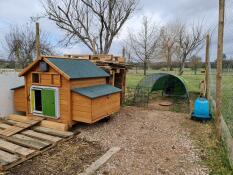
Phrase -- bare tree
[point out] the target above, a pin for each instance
(127, 52)
(20, 44)
(144, 42)
(168, 37)
(188, 41)
(95, 23)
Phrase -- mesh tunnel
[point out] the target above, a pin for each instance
(169, 84)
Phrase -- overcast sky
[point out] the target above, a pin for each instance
(18, 12)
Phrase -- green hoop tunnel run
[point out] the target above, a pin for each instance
(169, 84)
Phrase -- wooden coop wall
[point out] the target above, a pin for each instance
(81, 108)
(105, 106)
(20, 100)
(89, 110)
(87, 82)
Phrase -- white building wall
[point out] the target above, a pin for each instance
(8, 79)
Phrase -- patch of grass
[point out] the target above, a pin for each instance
(180, 106)
(193, 81)
(176, 108)
(213, 153)
(133, 79)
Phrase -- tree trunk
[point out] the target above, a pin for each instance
(181, 68)
(182, 64)
(145, 67)
(169, 68)
(195, 71)
(169, 63)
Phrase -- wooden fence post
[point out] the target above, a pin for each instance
(207, 63)
(37, 40)
(219, 68)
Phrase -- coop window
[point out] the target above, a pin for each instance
(35, 78)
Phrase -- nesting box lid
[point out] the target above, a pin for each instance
(96, 91)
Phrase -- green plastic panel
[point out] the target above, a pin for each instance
(48, 102)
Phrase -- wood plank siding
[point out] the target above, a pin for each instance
(87, 82)
(81, 108)
(105, 106)
(19, 100)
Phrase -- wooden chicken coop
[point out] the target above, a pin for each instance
(69, 90)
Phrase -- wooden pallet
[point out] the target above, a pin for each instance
(19, 123)
(17, 147)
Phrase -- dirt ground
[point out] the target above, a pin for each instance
(151, 141)
(67, 158)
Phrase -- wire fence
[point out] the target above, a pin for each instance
(227, 101)
(227, 97)
(227, 84)
(227, 69)
(226, 109)
(137, 97)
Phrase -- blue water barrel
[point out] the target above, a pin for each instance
(201, 108)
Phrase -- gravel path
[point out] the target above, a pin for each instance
(152, 142)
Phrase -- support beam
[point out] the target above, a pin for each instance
(113, 77)
(219, 68)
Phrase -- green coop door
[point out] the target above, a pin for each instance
(48, 102)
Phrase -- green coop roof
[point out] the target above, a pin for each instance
(78, 69)
(96, 91)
